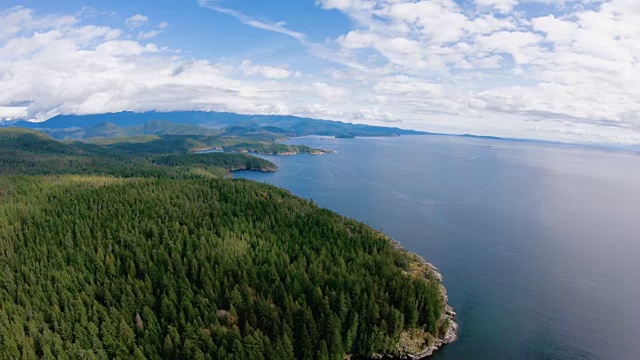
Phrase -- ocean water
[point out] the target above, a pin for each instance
(539, 244)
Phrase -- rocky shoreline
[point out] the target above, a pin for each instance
(245, 151)
(448, 315)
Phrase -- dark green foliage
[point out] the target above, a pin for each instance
(31, 153)
(268, 148)
(18, 139)
(164, 144)
(227, 161)
(162, 138)
(194, 268)
(156, 261)
(109, 129)
(183, 144)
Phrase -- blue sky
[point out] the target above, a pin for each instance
(203, 33)
(548, 69)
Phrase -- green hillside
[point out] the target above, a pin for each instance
(155, 144)
(19, 139)
(151, 256)
(28, 152)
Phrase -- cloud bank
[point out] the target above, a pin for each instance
(490, 67)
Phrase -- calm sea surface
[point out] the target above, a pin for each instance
(539, 245)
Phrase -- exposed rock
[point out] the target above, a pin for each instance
(407, 347)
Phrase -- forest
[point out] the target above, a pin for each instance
(113, 255)
(28, 152)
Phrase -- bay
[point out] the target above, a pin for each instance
(539, 244)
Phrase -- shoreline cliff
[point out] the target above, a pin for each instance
(412, 348)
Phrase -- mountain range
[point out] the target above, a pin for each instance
(200, 123)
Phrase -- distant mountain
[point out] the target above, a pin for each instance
(248, 123)
(122, 119)
(248, 128)
(105, 129)
(229, 122)
(277, 130)
(163, 127)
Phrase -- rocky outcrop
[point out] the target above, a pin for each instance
(416, 347)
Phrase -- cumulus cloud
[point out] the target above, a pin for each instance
(375, 114)
(269, 72)
(159, 29)
(329, 92)
(136, 21)
(502, 6)
(490, 67)
(19, 19)
(53, 65)
(57, 66)
(574, 65)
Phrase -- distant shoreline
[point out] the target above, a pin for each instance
(633, 148)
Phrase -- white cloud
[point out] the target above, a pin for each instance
(67, 68)
(503, 6)
(487, 68)
(269, 72)
(159, 29)
(575, 65)
(17, 19)
(124, 48)
(328, 92)
(149, 34)
(522, 46)
(279, 27)
(13, 112)
(136, 21)
(405, 85)
(375, 115)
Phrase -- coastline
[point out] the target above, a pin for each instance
(283, 153)
(448, 314)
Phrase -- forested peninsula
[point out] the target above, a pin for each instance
(114, 251)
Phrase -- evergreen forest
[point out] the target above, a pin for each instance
(114, 254)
